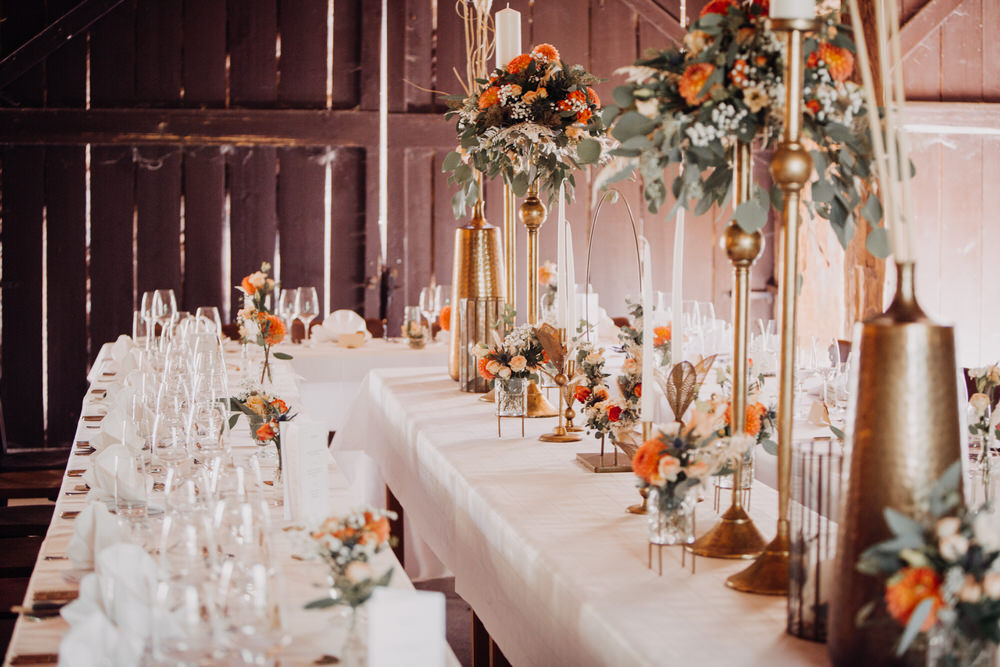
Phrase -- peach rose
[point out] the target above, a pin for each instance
(518, 363)
(669, 467)
(646, 461)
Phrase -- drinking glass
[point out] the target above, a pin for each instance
(286, 306)
(429, 307)
(131, 487)
(250, 605)
(164, 306)
(306, 306)
(185, 626)
(210, 313)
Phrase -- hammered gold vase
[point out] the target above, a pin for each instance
(477, 271)
(905, 434)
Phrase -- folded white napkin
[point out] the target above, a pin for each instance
(121, 349)
(344, 321)
(93, 530)
(100, 477)
(111, 619)
(606, 329)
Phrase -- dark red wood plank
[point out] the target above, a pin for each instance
(419, 60)
(112, 58)
(253, 73)
(347, 25)
(419, 231)
(253, 219)
(302, 80)
(22, 21)
(371, 26)
(158, 48)
(66, 68)
(21, 237)
(66, 296)
(347, 244)
(397, 256)
(204, 52)
(962, 54)
(112, 205)
(158, 204)
(301, 198)
(551, 23)
(371, 245)
(204, 215)
(445, 224)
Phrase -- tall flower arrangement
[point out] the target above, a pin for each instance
(257, 324)
(534, 119)
(686, 105)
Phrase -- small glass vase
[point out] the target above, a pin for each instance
(948, 647)
(354, 652)
(417, 342)
(511, 397)
(671, 518)
(726, 481)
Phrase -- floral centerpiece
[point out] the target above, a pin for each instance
(534, 119)
(942, 576)
(257, 324)
(687, 105)
(264, 413)
(986, 380)
(508, 365)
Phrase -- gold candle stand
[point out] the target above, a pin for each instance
(561, 378)
(532, 214)
(735, 535)
(791, 167)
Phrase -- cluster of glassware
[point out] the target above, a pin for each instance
(201, 510)
(704, 333)
(300, 303)
(827, 363)
(418, 321)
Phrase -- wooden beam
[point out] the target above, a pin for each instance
(924, 22)
(56, 34)
(658, 17)
(219, 127)
(981, 118)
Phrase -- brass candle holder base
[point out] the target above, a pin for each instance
(613, 461)
(488, 397)
(539, 406)
(734, 536)
(768, 575)
(559, 434)
(639, 508)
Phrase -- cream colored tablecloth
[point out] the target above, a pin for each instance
(314, 633)
(543, 550)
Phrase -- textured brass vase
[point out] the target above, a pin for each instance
(478, 271)
(905, 434)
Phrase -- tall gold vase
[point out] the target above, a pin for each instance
(477, 271)
(905, 435)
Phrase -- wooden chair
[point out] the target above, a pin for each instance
(19, 555)
(25, 520)
(374, 325)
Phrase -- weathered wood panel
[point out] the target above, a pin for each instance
(158, 203)
(302, 25)
(112, 58)
(347, 244)
(204, 52)
(158, 52)
(204, 215)
(300, 206)
(418, 244)
(253, 34)
(22, 21)
(346, 53)
(253, 213)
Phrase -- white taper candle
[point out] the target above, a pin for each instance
(646, 401)
(676, 293)
(793, 9)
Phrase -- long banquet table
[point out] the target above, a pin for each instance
(543, 550)
(313, 634)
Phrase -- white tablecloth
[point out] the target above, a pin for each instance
(543, 550)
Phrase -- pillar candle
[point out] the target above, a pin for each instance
(561, 290)
(793, 9)
(508, 35)
(677, 305)
(646, 401)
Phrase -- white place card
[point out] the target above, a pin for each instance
(406, 627)
(305, 474)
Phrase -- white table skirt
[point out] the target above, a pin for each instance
(543, 550)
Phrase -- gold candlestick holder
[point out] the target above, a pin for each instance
(791, 167)
(569, 396)
(735, 535)
(554, 342)
(532, 214)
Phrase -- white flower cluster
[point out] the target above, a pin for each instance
(519, 340)
(702, 135)
(727, 117)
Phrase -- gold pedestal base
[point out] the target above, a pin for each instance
(639, 508)
(768, 575)
(488, 397)
(610, 462)
(735, 536)
(538, 405)
(559, 434)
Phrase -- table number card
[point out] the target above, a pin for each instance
(305, 462)
(406, 627)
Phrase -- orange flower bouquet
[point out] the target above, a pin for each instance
(264, 413)
(257, 324)
(942, 576)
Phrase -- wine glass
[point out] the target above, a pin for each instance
(164, 307)
(286, 306)
(210, 313)
(306, 306)
(428, 306)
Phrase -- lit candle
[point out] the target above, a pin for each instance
(793, 9)
(646, 401)
(562, 291)
(677, 305)
(571, 317)
(508, 35)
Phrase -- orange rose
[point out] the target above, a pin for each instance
(838, 59)
(247, 286)
(646, 461)
(908, 588)
(574, 99)
(546, 272)
(754, 414)
(444, 319)
(637, 390)
(273, 328)
(280, 406)
(662, 335)
(693, 80)
(519, 63)
(267, 431)
(718, 7)
(813, 106)
(614, 413)
(380, 526)
(581, 394)
(594, 99)
(546, 52)
(583, 116)
(483, 372)
(812, 60)
(489, 97)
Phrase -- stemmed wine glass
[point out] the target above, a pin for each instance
(306, 306)
(429, 306)
(286, 306)
(164, 307)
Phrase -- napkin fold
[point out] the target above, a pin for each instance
(94, 530)
(100, 477)
(343, 321)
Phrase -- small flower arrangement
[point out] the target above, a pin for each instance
(415, 333)
(257, 324)
(547, 281)
(943, 572)
(687, 105)
(534, 119)
(347, 545)
(518, 355)
(987, 378)
(979, 414)
(264, 413)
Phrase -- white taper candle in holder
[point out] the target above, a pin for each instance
(508, 35)
(793, 9)
(572, 319)
(562, 291)
(676, 292)
(646, 400)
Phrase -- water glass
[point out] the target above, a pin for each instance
(131, 490)
(306, 306)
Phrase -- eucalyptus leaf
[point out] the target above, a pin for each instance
(639, 142)
(877, 242)
(519, 184)
(623, 96)
(917, 619)
(451, 160)
(822, 191)
(750, 215)
(872, 210)
(458, 204)
(281, 355)
(630, 124)
(609, 114)
(770, 446)
(902, 525)
(463, 173)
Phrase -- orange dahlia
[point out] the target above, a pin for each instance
(908, 588)
(718, 7)
(267, 431)
(247, 286)
(755, 413)
(546, 52)
(581, 394)
(444, 319)
(483, 372)
(838, 59)
(693, 80)
(489, 97)
(584, 116)
(646, 461)
(273, 328)
(280, 406)
(519, 63)
(594, 99)
(662, 335)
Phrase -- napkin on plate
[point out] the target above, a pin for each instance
(100, 477)
(344, 321)
(93, 530)
(111, 618)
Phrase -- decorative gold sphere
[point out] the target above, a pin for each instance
(561, 379)
(741, 246)
(791, 166)
(532, 212)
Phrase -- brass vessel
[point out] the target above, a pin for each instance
(477, 271)
(905, 434)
